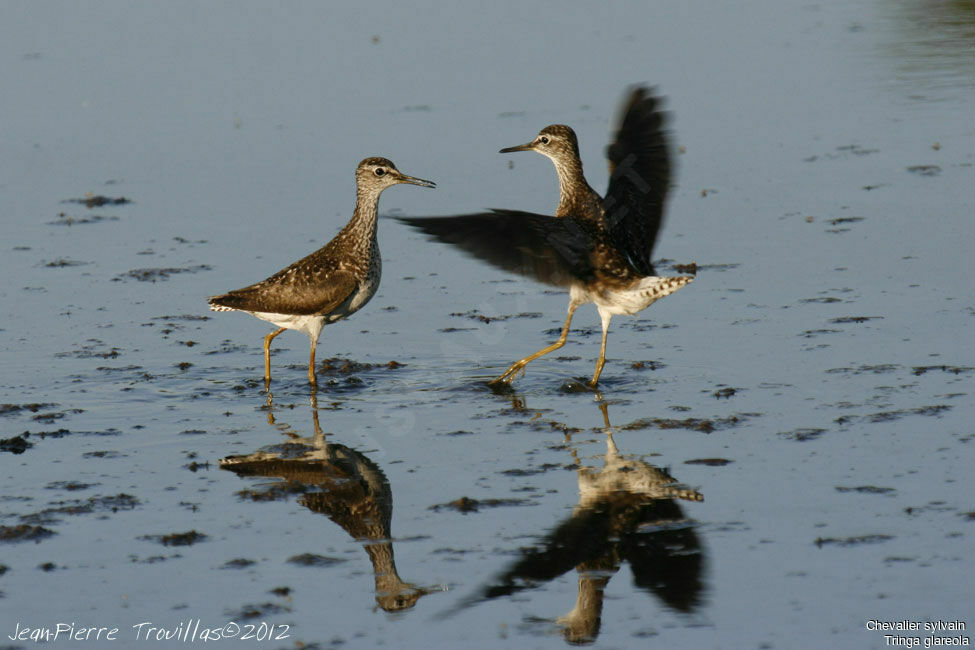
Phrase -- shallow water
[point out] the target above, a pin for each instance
(812, 386)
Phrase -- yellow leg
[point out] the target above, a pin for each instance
(602, 352)
(311, 365)
(267, 356)
(517, 366)
(605, 410)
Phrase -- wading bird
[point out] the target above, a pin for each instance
(332, 283)
(598, 247)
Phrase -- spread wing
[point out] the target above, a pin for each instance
(552, 250)
(302, 289)
(640, 175)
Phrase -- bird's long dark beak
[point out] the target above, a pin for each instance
(528, 146)
(403, 178)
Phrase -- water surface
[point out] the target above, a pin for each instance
(800, 415)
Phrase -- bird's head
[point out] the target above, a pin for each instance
(557, 141)
(380, 173)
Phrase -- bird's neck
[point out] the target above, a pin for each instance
(362, 226)
(576, 197)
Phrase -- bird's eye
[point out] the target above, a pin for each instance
(543, 139)
(380, 171)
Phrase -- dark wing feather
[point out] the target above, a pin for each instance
(552, 250)
(583, 537)
(299, 289)
(640, 175)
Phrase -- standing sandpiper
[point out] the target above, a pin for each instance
(598, 247)
(332, 283)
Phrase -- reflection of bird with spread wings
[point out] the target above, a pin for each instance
(628, 511)
(349, 489)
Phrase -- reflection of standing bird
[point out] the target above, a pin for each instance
(600, 248)
(332, 283)
(351, 490)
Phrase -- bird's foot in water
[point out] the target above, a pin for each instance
(578, 385)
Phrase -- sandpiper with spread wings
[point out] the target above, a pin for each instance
(598, 247)
(333, 282)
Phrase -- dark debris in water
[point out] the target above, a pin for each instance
(866, 489)
(61, 433)
(189, 317)
(91, 351)
(97, 200)
(466, 504)
(647, 365)
(856, 150)
(188, 538)
(955, 370)
(57, 433)
(803, 434)
(24, 533)
(338, 366)
(924, 170)
(68, 220)
(228, 347)
(726, 392)
(184, 240)
(890, 416)
(103, 454)
(69, 486)
(314, 560)
(160, 274)
(10, 409)
(114, 369)
(539, 424)
(710, 462)
(852, 541)
(337, 385)
(541, 469)
(930, 506)
(879, 369)
(238, 563)
(475, 314)
(843, 152)
(153, 559)
(823, 300)
(63, 262)
(691, 424)
(809, 334)
(854, 319)
(112, 503)
(16, 444)
(250, 612)
(51, 416)
(844, 220)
